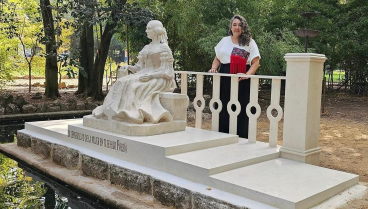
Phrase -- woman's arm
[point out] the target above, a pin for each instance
(215, 65)
(253, 68)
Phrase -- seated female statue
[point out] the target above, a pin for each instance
(135, 98)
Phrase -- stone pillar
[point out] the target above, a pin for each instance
(304, 73)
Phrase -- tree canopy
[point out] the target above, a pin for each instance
(194, 28)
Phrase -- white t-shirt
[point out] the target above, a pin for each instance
(225, 48)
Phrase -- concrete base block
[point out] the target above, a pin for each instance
(131, 180)
(168, 193)
(95, 168)
(176, 104)
(171, 195)
(149, 151)
(65, 156)
(145, 164)
(131, 129)
(23, 140)
(41, 147)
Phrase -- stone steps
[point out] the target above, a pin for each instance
(216, 160)
(149, 151)
(199, 165)
(285, 183)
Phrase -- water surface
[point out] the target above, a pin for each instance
(24, 187)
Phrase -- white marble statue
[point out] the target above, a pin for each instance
(134, 98)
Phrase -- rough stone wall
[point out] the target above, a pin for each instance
(41, 147)
(130, 179)
(65, 156)
(95, 168)
(171, 195)
(19, 105)
(23, 140)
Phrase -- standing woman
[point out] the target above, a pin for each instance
(236, 54)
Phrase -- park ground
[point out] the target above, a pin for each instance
(343, 130)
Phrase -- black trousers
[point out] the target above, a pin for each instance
(243, 97)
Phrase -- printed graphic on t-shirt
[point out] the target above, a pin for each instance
(240, 53)
(238, 61)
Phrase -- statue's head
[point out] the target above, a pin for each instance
(155, 29)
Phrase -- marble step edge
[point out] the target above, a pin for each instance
(43, 131)
(285, 204)
(226, 167)
(279, 202)
(170, 150)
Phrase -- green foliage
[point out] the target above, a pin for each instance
(20, 31)
(5, 62)
(116, 50)
(273, 46)
(195, 27)
(16, 189)
(99, 13)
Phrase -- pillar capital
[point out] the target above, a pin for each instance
(305, 57)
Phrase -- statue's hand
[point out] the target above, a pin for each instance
(145, 78)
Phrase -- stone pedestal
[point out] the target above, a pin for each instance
(176, 104)
(304, 75)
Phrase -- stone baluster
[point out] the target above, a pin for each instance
(304, 75)
(215, 99)
(275, 105)
(253, 102)
(199, 97)
(184, 83)
(233, 101)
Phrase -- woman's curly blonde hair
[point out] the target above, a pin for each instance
(246, 35)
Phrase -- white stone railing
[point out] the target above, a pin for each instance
(253, 102)
(304, 73)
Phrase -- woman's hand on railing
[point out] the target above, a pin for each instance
(243, 78)
(213, 70)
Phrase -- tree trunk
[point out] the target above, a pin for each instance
(127, 43)
(29, 77)
(51, 67)
(95, 89)
(86, 58)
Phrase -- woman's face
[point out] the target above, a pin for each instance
(236, 28)
(150, 32)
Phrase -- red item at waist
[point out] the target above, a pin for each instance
(238, 64)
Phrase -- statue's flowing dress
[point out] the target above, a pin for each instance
(135, 101)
